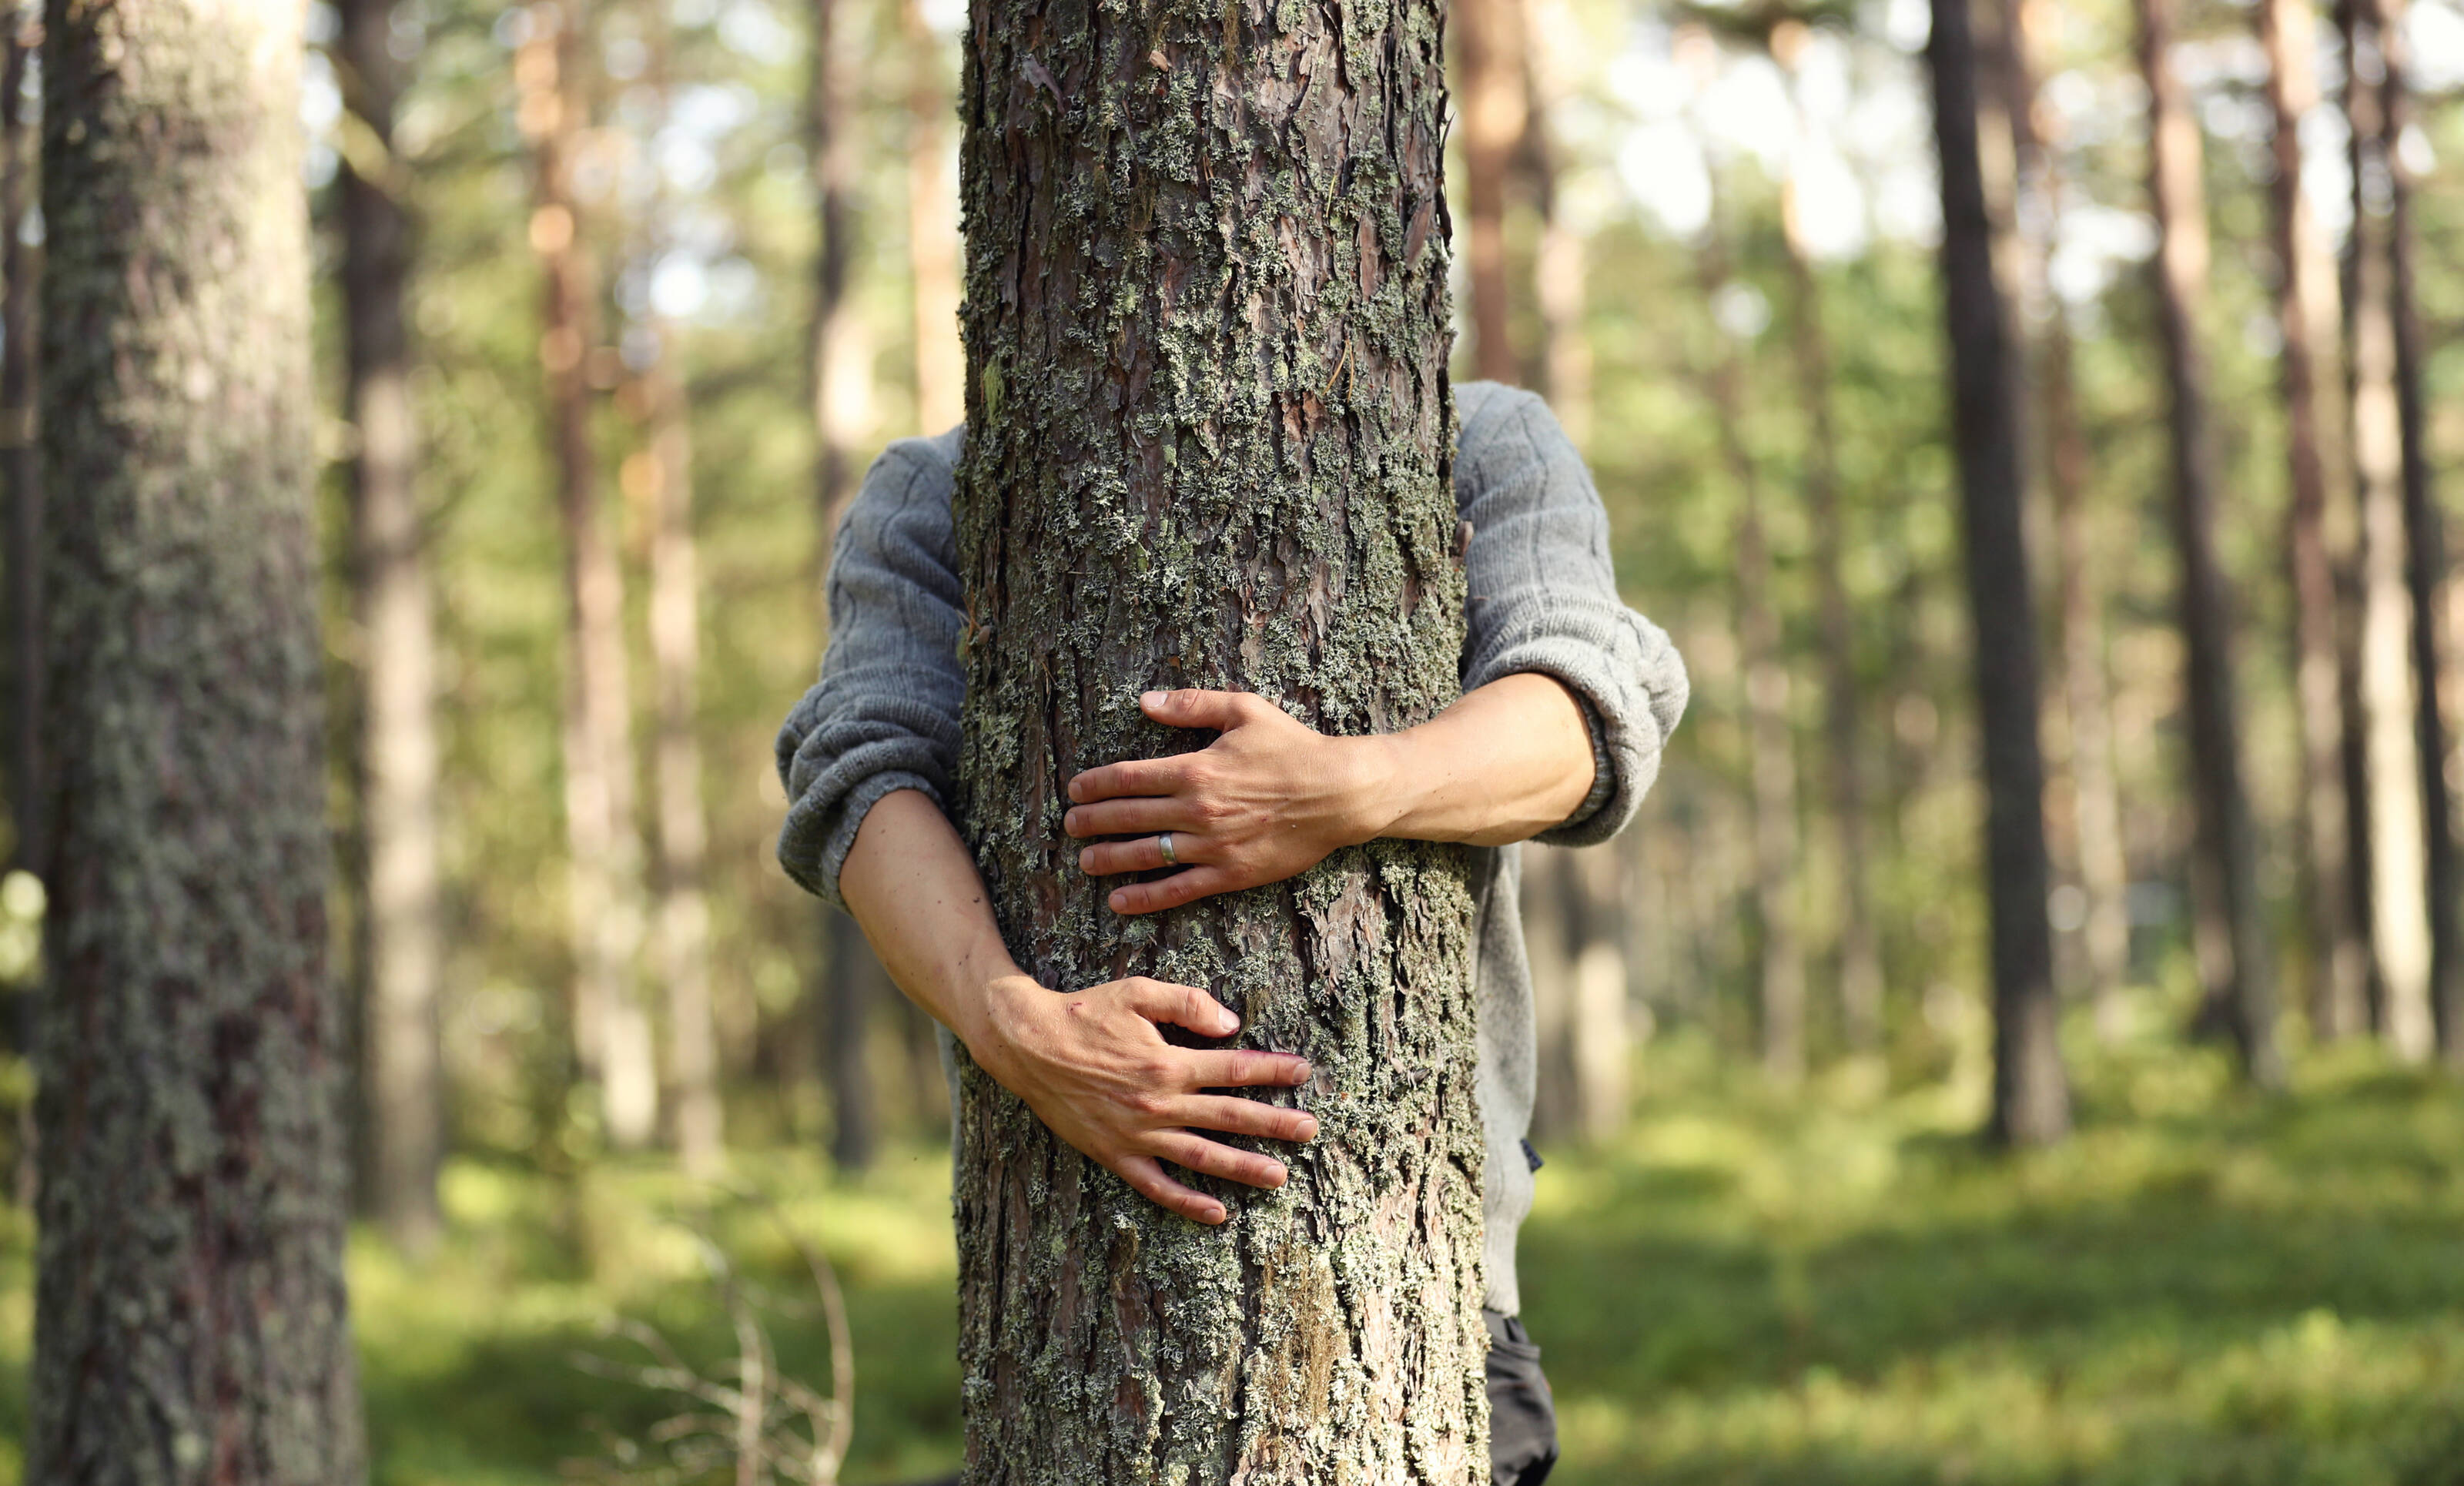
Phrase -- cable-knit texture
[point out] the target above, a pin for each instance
(1543, 597)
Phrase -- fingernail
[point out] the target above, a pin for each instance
(1083, 865)
(1309, 1129)
(1301, 1075)
(1281, 1176)
(1150, 699)
(1119, 902)
(1229, 1022)
(1214, 1216)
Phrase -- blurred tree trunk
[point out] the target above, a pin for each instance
(2086, 761)
(931, 230)
(399, 1069)
(190, 1324)
(20, 460)
(1770, 751)
(683, 910)
(2320, 524)
(2031, 1094)
(1495, 111)
(2400, 910)
(845, 993)
(1861, 964)
(2231, 939)
(1278, 479)
(2425, 541)
(1565, 361)
(602, 831)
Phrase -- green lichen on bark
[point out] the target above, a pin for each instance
(1206, 327)
(190, 1325)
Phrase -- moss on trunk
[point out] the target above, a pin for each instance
(1207, 330)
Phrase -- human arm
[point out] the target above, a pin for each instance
(1093, 1064)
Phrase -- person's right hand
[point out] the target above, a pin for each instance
(1096, 1071)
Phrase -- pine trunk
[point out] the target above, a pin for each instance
(397, 748)
(2031, 1094)
(2426, 546)
(2233, 940)
(932, 231)
(1565, 359)
(1771, 749)
(602, 829)
(1208, 446)
(851, 986)
(2398, 862)
(21, 482)
(1495, 110)
(682, 916)
(2320, 524)
(190, 1323)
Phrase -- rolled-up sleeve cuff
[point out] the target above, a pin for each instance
(813, 845)
(1626, 676)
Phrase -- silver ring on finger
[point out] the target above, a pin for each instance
(1163, 844)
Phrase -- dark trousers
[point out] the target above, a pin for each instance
(1521, 1417)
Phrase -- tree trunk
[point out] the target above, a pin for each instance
(2086, 761)
(1208, 427)
(849, 988)
(603, 832)
(1861, 964)
(1770, 750)
(1565, 361)
(683, 910)
(2232, 936)
(2320, 524)
(190, 1323)
(1591, 882)
(2031, 1094)
(2400, 940)
(932, 231)
(1495, 110)
(2425, 545)
(20, 460)
(398, 748)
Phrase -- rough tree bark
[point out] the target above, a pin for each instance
(2397, 860)
(932, 229)
(2031, 1094)
(1208, 445)
(2230, 932)
(397, 748)
(1860, 960)
(2424, 541)
(1496, 110)
(2086, 761)
(190, 1323)
(602, 828)
(2320, 524)
(1771, 749)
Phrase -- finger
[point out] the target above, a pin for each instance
(1245, 1117)
(1106, 859)
(1190, 707)
(1242, 1069)
(1140, 816)
(1129, 777)
(1145, 1176)
(1204, 1156)
(1170, 892)
(1181, 1006)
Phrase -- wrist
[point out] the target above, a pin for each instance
(1375, 792)
(996, 1015)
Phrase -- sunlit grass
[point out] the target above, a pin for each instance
(2201, 1289)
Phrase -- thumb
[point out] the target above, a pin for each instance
(1183, 1006)
(1217, 711)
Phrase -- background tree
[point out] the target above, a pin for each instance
(2231, 940)
(404, 948)
(2031, 1094)
(190, 1324)
(1277, 480)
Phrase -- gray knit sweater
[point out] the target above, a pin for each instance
(886, 713)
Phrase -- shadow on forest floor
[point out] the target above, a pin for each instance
(1836, 1290)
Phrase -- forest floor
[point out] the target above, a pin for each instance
(1838, 1287)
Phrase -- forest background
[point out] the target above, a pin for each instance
(675, 270)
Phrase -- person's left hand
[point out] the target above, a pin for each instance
(1264, 801)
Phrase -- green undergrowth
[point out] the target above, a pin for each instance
(1839, 1287)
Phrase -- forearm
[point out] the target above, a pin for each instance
(913, 888)
(1506, 762)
